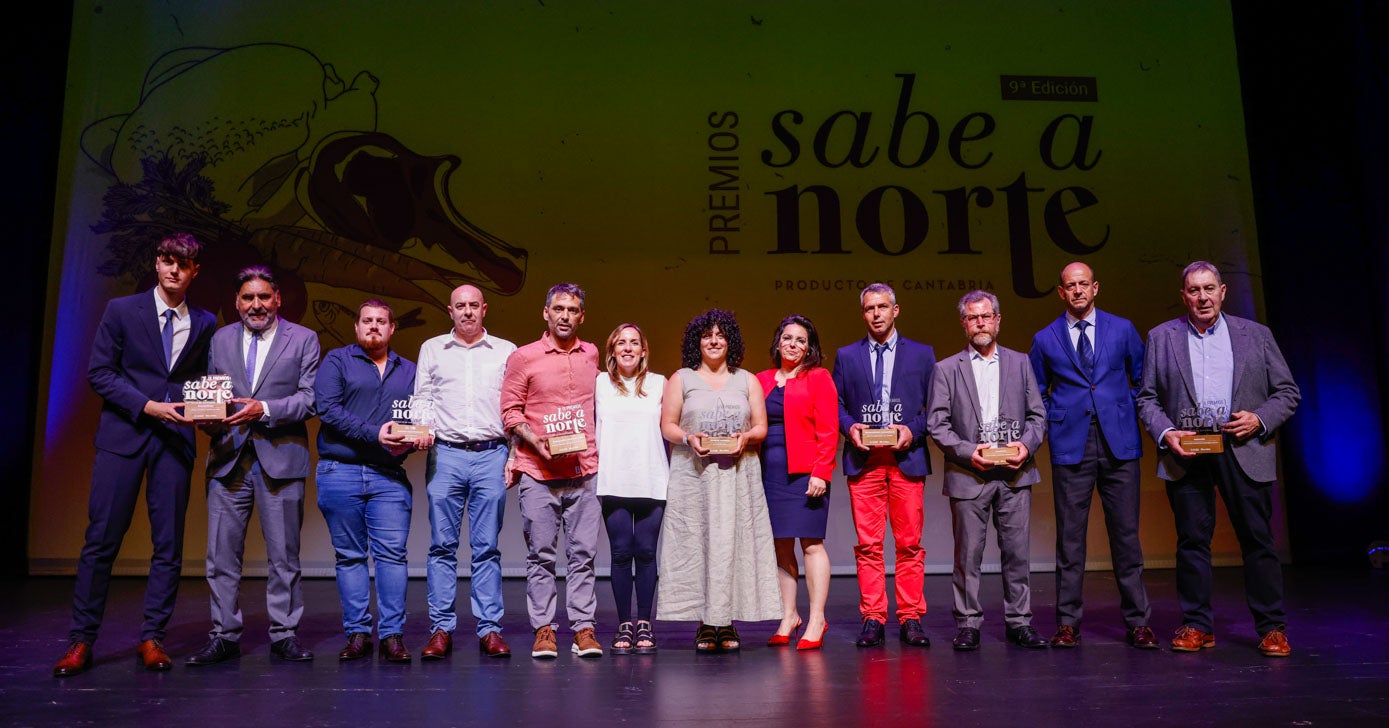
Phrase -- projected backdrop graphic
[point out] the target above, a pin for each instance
(668, 157)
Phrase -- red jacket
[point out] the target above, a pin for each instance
(812, 420)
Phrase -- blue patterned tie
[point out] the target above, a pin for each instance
(168, 336)
(251, 361)
(1084, 351)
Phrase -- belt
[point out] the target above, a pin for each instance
(476, 446)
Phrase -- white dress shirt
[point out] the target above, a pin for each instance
(182, 324)
(464, 383)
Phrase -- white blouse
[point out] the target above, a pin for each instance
(632, 459)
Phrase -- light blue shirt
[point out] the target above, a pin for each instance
(1212, 366)
(889, 358)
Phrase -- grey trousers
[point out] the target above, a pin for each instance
(281, 507)
(549, 507)
(1009, 508)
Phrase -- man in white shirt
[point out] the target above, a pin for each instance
(459, 378)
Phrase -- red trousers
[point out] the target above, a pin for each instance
(881, 494)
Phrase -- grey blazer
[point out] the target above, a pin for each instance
(953, 414)
(286, 388)
(1262, 385)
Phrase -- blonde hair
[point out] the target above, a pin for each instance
(611, 362)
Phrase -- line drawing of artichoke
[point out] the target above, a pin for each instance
(268, 157)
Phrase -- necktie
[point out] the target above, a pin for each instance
(168, 336)
(878, 370)
(1084, 351)
(251, 360)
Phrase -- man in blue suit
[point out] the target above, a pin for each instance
(146, 347)
(882, 381)
(1089, 365)
(259, 458)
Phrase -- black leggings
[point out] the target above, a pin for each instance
(634, 525)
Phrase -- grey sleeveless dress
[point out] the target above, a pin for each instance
(717, 560)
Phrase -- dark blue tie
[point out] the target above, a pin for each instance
(251, 361)
(878, 371)
(168, 336)
(1084, 351)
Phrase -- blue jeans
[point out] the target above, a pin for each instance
(367, 508)
(459, 479)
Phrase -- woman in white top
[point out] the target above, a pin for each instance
(633, 469)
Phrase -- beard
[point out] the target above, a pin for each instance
(982, 338)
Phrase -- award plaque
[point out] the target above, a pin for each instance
(412, 418)
(564, 430)
(880, 416)
(998, 432)
(207, 397)
(1204, 420)
(720, 444)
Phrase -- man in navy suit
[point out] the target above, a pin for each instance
(1245, 384)
(146, 347)
(882, 381)
(259, 458)
(1088, 365)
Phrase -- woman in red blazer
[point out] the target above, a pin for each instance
(797, 462)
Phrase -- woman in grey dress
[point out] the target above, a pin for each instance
(717, 561)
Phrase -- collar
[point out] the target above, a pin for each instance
(267, 332)
(485, 340)
(891, 342)
(356, 350)
(1215, 327)
(549, 343)
(1071, 321)
(974, 355)
(160, 307)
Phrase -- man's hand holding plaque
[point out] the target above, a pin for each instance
(564, 430)
(999, 443)
(207, 398)
(1200, 429)
(411, 422)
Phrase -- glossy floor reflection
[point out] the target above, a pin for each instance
(1338, 673)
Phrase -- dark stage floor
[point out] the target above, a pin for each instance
(1338, 673)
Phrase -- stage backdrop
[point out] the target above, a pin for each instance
(769, 158)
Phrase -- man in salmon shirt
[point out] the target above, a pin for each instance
(547, 406)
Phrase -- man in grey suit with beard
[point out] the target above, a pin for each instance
(1210, 368)
(259, 457)
(981, 398)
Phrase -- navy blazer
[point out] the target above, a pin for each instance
(911, 382)
(127, 369)
(1108, 394)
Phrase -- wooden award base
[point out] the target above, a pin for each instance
(720, 445)
(565, 444)
(205, 411)
(998, 454)
(879, 438)
(1203, 444)
(411, 433)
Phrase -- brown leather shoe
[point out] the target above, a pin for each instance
(585, 644)
(1066, 636)
(1142, 638)
(1190, 639)
(76, 660)
(358, 646)
(439, 647)
(545, 647)
(393, 649)
(153, 656)
(1275, 644)
(492, 645)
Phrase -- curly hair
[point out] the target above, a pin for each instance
(610, 364)
(813, 355)
(703, 324)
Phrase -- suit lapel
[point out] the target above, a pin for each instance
(195, 328)
(1063, 340)
(1100, 341)
(1239, 346)
(149, 324)
(277, 347)
(1180, 343)
(1007, 375)
(966, 373)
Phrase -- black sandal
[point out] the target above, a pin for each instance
(644, 635)
(622, 642)
(728, 639)
(706, 640)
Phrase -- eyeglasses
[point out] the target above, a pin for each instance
(980, 317)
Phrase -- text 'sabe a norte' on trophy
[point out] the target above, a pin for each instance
(412, 418)
(1204, 420)
(880, 417)
(207, 397)
(999, 432)
(564, 430)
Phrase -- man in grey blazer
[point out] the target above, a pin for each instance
(259, 457)
(1212, 368)
(981, 398)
